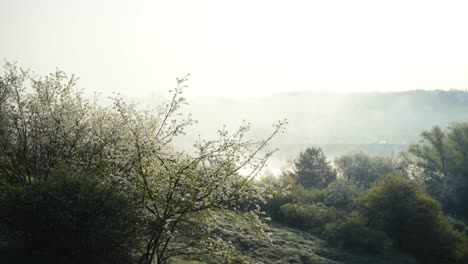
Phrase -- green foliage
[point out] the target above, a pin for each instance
(312, 169)
(353, 233)
(364, 169)
(47, 127)
(342, 194)
(71, 219)
(289, 245)
(440, 160)
(413, 220)
(285, 190)
(458, 225)
(309, 217)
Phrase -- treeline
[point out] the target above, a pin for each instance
(416, 202)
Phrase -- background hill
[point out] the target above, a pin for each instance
(375, 123)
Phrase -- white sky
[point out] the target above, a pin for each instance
(241, 48)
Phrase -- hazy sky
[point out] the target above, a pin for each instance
(241, 48)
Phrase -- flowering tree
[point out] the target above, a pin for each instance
(182, 192)
(46, 126)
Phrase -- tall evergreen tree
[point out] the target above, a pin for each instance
(313, 170)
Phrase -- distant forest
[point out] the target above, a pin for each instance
(373, 123)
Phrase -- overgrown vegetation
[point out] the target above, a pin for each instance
(70, 219)
(440, 161)
(363, 169)
(375, 205)
(86, 183)
(354, 233)
(413, 220)
(48, 131)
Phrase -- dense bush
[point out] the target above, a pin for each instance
(70, 219)
(413, 220)
(310, 217)
(353, 233)
(342, 194)
(440, 161)
(364, 169)
(286, 190)
(458, 225)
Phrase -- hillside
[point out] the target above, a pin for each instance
(290, 245)
(338, 118)
(287, 245)
(375, 123)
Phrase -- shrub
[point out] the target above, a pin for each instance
(287, 191)
(364, 169)
(70, 219)
(310, 217)
(299, 194)
(353, 233)
(413, 220)
(458, 225)
(342, 194)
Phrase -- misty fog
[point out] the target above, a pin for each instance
(370, 122)
(208, 132)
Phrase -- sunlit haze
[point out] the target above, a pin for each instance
(241, 48)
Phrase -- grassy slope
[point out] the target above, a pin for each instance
(289, 245)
